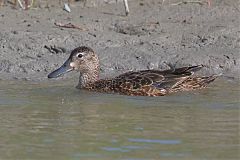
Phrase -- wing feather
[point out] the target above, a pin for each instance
(147, 82)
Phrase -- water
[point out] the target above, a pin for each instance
(57, 121)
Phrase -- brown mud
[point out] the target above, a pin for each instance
(152, 36)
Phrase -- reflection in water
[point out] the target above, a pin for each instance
(56, 121)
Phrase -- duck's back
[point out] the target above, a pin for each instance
(152, 82)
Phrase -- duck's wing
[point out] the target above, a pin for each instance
(151, 82)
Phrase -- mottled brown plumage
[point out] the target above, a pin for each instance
(141, 83)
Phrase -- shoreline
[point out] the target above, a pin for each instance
(152, 36)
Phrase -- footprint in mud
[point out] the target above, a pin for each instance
(130, 29)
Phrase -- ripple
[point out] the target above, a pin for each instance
(115, 149)
(160, 141)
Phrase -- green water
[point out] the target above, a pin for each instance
(57, 121)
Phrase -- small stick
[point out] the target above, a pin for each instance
(70, 25)
(126, 7)
(20, 3)
(185, 2)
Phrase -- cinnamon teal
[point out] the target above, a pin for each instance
(141, 83)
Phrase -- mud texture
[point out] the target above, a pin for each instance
(153, 36)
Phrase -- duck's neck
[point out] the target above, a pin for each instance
(88, 78)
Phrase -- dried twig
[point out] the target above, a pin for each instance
(70, 25)
(126, 7)
(21, 5)
(185, 2)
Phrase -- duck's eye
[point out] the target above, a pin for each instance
(79, 55)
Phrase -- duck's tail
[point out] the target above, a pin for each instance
(193, 83)
(205, 80)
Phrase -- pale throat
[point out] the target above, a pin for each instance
(86, 79)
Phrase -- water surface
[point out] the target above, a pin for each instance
(57, 121)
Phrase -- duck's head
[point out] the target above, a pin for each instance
(82, 59)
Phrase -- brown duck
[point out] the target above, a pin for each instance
(140, 83)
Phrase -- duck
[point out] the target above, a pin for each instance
(132, 83)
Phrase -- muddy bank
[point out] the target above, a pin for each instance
(152, 36)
